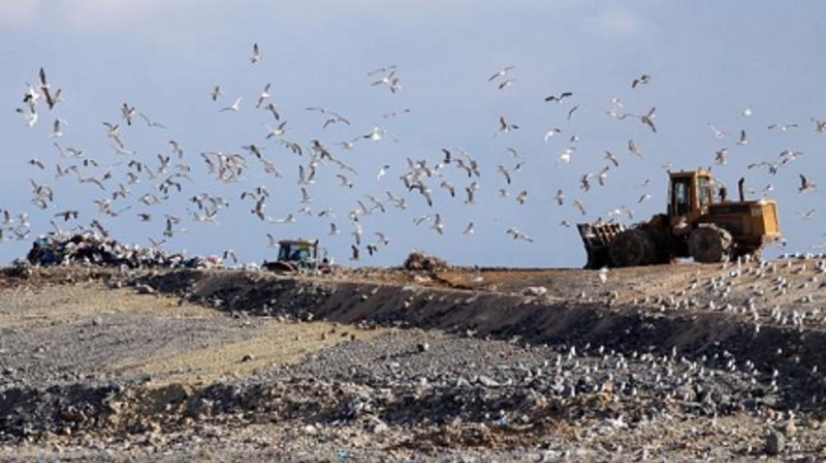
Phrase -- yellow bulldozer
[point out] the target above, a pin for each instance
(700, 222)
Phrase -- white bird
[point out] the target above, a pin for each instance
(603, 275)
(256, 54)
(648, 119)
(633, 149)
(382, 172)
(551, 132)
(438, 225)
(234, 107)
(263, 96)
(742, 141)
(469, 230)
(57, 129)
(518, 235)
(717, 132)
(500, 73)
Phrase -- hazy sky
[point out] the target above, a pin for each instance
(708, 61)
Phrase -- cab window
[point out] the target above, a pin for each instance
(680, 197)
(705, 192)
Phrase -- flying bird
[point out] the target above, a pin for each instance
(641, 80)
(560, 97)
(500, 73)
(806, 185)
(256, 54)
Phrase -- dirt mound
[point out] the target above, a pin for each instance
(418, 262)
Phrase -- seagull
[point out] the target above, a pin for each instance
(234, 107)
(820, 126)
(256, 54)
(806, 185)
(642, 80)
(278, 131)
(748, 111)
(565, 155)
(505, 172)
(782, 127)
(645, 197)
(720, 156)
(522, 197)
(571, 112)
(518, 235)
(30, 114)
(603, 275)
(382, 172)
(500, 73)
(578, 204)
(150, 123)
(610, 157)
(632, 147)
(807, 215)
(717, 132)
(560, 197)
(57, 130)
(550, 133)
(438, 225)
(560, 97)
(505, 126)
(506, 84)
(743, 141)
(264, 95)
(648, 119)
(273, 241)
(469, 230)
(113, 133)
(216, 93)
(37, 163)
(128, 113)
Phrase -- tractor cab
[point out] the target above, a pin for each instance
(295, 256)
(690, 195)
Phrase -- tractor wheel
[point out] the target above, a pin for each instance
(710, 243)
(633, 248)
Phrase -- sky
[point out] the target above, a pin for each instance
(707, 62)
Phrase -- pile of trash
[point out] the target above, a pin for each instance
(418, 262)
(92, 249)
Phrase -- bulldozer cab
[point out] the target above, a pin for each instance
(690, 195)
(302, 253)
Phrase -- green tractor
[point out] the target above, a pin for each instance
(297, 256)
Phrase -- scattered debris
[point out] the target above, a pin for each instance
(93, 249)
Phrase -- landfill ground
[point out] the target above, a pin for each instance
(683, 362)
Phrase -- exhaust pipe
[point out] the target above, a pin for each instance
(740, 184)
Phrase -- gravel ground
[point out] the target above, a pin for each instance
(92, 373)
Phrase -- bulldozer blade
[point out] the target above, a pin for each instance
(597, 238)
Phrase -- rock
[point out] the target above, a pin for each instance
(775, 443)
(537, 291)
(248, 358)
(487, 381)
(141, 288)
(310, 430)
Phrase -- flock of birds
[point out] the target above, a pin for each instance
(430, 181)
